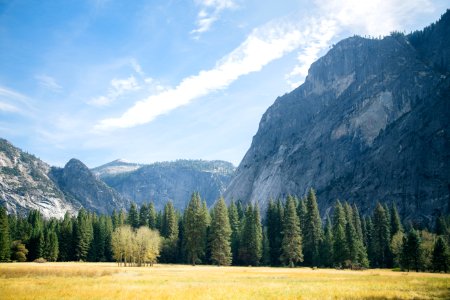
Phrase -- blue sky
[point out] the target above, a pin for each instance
(153, 81)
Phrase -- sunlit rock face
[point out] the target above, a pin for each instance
(370, 123)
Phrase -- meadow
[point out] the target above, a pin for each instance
(108, 281)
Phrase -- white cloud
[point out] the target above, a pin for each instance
(9, 99)
(118, 87)
(48, 82)
(262, 46)
(209, 13)
(6, 107)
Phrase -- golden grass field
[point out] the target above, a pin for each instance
(107, 281)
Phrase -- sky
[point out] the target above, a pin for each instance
(149, 81)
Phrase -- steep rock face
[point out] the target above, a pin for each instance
(81, 185)
(176, 181)
(371, 122)
(25, 184)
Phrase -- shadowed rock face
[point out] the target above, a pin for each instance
(370, 123)
(80, 185)
(160, 182)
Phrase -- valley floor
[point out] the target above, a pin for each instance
(108, 281)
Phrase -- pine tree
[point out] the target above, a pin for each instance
(220, 235)
(97, 249)
(66, 239)
(292, 240)
(151, 216)
(144, 215)
(274, 219)
(51, 249)
(133, 216)
(313, 230)
(350, 234)
(4, 236)
(83, 235)
(194, 229)
(340, 247)
(327, 245)
(411, 252)
(35, 243)
(396, 225)
(381, 238)
(440, 226)
(265, 259)
(250, 245)
(169, 230)
(302, 211)
(441, 256)
(234, 225)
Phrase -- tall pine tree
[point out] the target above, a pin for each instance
(313, 230)
(4, 236)
(195, 225)
(292, 240)
(220, 235)
(381, 238)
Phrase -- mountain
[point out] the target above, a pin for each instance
(160, 182)
(370, 123)
(80, 185)
(28, 183)
(25, 184)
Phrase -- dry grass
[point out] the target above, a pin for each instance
(107, 281)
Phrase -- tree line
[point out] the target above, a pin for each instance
(293, 234)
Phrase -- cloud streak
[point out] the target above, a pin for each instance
(118, 87)
(48, 82)
(209, 13)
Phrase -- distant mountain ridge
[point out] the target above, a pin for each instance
(163, 181)
(370, 123)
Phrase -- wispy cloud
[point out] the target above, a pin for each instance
(9, 99)
(118, 87)
(48, 82)
(209, 13)
(262, 46)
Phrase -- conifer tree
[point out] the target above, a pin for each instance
(36, 241)
(327, 245)
(151, 216)
(274, 219)
(4, 236)
(265, 259)
(66, 239)
(381, 238)
(440, 226)
(291, 245)
(195, 225)
(441, 256)
(396, 225)
(411, 252)
(133, 216)
(234, 225)
(220, 235)
(250, 245)
(313, 230)
(98, 245)
(302, 211)
(144, 215)
(83, 235)
(169, 231)
(51, 249)
(340, 247)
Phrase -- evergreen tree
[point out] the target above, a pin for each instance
(144, 215)
(369, 240)
(35, 243)
(195, 225)
(381, 238)
(51, 249)
(133, 216)
(169, 230)
(292, 240)
(4, 236)
(240, 210)
(396, 225)
(440, 226)
(98, 245)
(265, 259)
(65, 239)
(411, 252)
(234, 225)
(274, 219)
(151, 216)
(340, 247)
(108, 228)
(441, 257)
(250, 245)
(302, 211)
(220, 235)
(350, 234)
(327, 245)
(313, 230)
(83, 235)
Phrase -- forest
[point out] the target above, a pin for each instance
(293, 233)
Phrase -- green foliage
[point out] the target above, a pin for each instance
(18, 251)
(411, 252)
(250, 245)
(441, 256)
(292, 240)
(381, 238)
(66, 252)
(220, 235)
(169, 230)
(195, 224)
(326, 248)
(36, 241)
(313, 230)
(83, 235)
(274, 219)
(235, 230)
(4, 236)
(133, 216)
(340, 247)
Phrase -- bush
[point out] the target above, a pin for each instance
(40, 260)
